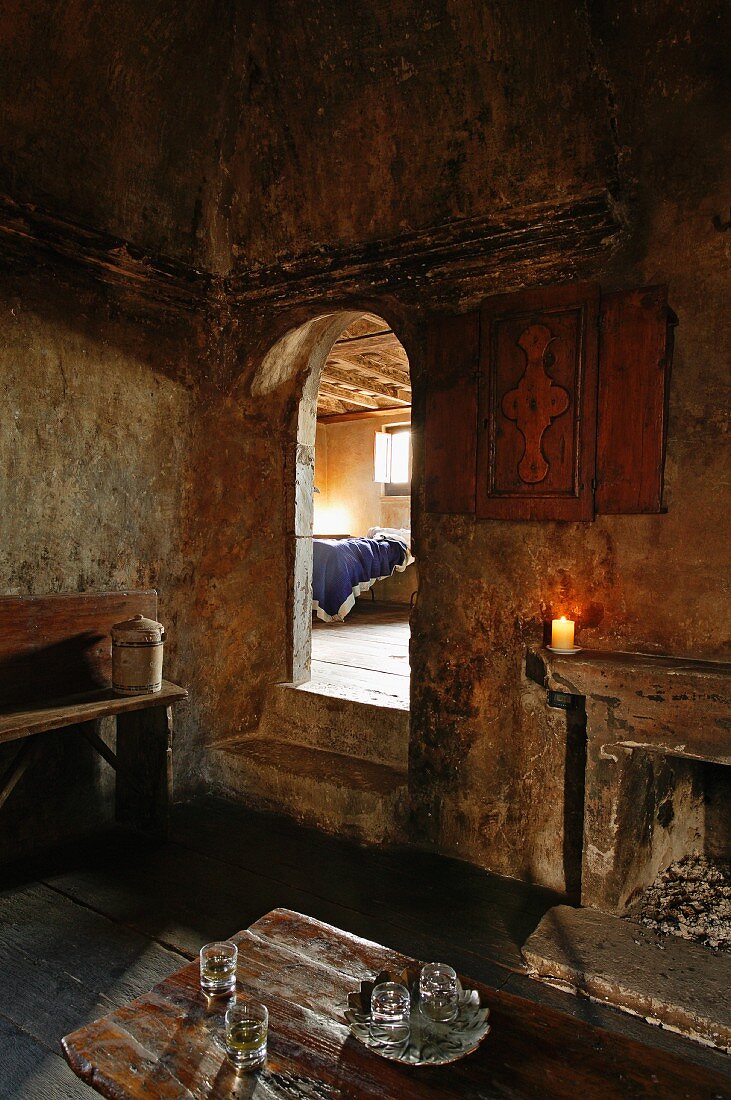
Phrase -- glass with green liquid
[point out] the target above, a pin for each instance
(247, 1024)
(218, 968)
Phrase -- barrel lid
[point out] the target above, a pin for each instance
(138, 629)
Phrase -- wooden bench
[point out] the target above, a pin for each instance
(55, 673)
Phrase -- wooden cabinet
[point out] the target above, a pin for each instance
(636, 350)
(450, 422)
(549, 404)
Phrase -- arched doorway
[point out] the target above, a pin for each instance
(351, 369)
(364, 576)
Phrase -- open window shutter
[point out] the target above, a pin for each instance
(382, 457)
(636, 345)
(450, 422)
(537, 404)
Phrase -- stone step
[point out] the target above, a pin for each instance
(363, 731)
(665, 979)
(335, 792)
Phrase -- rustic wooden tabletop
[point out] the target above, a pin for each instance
(166, 1044)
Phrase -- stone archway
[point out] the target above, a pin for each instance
(301, 355)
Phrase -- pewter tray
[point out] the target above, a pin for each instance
(429, 1043)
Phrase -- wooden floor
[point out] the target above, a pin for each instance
(101, 921)
(365, 658)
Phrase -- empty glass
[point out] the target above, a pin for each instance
(247, 1025)
(218, 967)
(438, 992)
(390, 1012)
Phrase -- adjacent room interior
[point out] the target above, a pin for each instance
(364, 544)
(365, 578)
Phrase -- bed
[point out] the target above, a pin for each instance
(342, 569)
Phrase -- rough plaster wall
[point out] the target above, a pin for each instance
(674, 147)
(369, 120)
(250, 532)
(487, 758)
(239, 588)
(343, 125)
(321, 472)
(351, 490)
(94, 443)
(628, 99)
(112, 116)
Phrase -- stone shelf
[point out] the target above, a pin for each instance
(672, 705)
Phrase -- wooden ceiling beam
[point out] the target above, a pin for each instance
(390, 357)
(328, 406)
(378, 370)
(379, 343)
(363, 414)
(348, 396)
(369, 386)
(373, 341)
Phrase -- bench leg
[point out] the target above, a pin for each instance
(145, 755)
(20, 764)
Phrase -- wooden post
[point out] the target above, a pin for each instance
(145, 754)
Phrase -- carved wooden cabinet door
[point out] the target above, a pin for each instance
(537, 404)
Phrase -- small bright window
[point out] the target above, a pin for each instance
(392, 459)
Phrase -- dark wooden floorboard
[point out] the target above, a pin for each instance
(494, 915)
(591, 1012)
(62, 962)
(184, 898)
(29, 1071)
(97, 922)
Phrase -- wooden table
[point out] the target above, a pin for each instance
(163, 1045)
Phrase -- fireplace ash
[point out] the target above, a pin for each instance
(690, 898)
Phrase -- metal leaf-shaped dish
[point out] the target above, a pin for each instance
(429, 1043)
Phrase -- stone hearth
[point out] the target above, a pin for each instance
(668, 981)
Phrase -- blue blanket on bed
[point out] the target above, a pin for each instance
(342, 568)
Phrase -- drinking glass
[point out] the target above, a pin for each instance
(247, 1025)
(218, 967)
(390, 1012)
(438, 992)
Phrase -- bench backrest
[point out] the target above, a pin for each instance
(55, 646)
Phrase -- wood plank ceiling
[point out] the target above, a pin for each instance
(367, 369)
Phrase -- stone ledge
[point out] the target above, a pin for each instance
(667, 981)
(320, 765)
(584, 666)
(676, 706)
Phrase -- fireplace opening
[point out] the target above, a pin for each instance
(690, 895)
(691, 898)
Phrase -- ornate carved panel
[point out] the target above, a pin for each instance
(538, 379)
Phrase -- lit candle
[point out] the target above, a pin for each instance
(562, 633)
